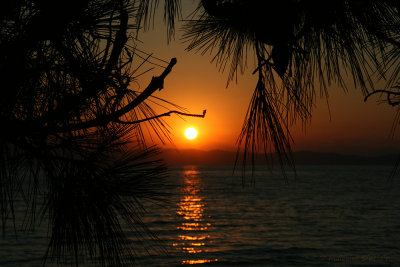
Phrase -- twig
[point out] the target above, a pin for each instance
(389, 93)
(165, 114)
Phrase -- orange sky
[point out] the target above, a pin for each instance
(195, 83)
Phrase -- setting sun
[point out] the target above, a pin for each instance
(190, 133)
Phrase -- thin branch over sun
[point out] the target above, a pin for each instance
(157, 83)
(164, 115)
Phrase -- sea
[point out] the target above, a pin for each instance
(325, 215)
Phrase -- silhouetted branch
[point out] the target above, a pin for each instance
(156, 83)
(120, 41)
(164, 115)
(265, 127)
(389, 94)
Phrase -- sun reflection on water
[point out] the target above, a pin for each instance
(194, 237)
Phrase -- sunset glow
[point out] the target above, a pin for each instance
(332, 129)
(191, 133)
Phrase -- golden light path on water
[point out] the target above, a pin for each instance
(194, 236)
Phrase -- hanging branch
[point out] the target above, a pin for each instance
(264, 127)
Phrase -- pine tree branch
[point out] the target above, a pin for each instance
(120, 41)
(156, 83)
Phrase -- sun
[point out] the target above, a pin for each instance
(191, 133)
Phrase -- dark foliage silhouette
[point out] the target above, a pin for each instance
(72, 146)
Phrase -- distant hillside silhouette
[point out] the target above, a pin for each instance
(221, 157)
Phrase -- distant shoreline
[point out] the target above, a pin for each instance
(221, 157)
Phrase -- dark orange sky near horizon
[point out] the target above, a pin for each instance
(351, 126)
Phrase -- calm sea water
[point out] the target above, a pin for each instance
(328, 216)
